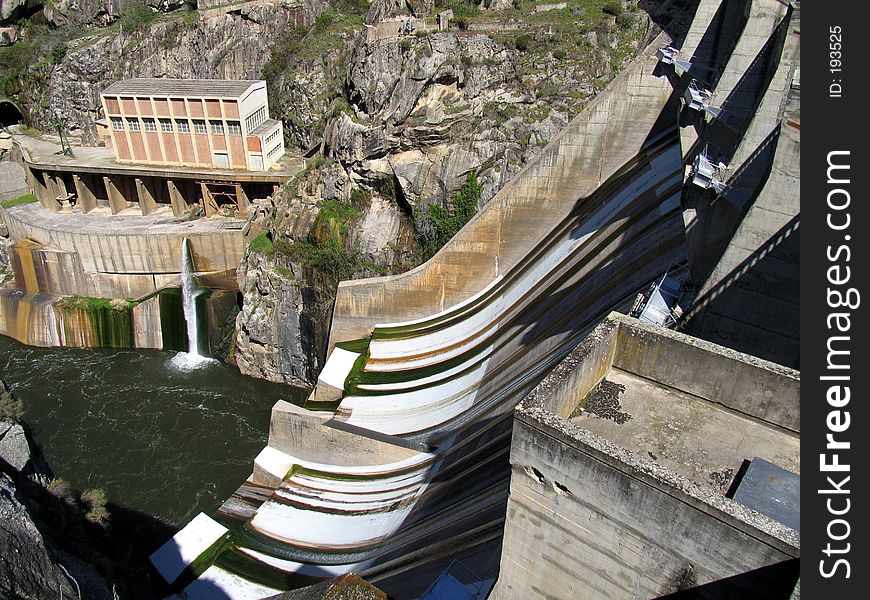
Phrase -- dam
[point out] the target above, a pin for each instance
(405, 466)
(401, 462)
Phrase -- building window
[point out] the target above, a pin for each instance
(199, 126)
(182, 125)
(117, 123)
(271, 136)
(255, 119)
(166, 125)
(133, 125)
(273, 151)
(217, 127)
(149, 124)
(234, 128)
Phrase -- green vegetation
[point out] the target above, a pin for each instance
(523, 42)
(438, 224)
(11, 408)
(110, 320)
(612, 7)
(40, 48)
(137, 16)
(284, 272)
(462, 9)
(94, 502)
(90, 304)
(25, 199)
(262, 244)
(334, 219)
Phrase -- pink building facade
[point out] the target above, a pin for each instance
(203, 123)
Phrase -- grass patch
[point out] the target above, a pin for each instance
(25, 199)
(284, 272)
(262, 244)
(90, 304)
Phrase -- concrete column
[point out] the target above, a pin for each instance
(147, 204)
(60, 188)
(37, 182)
(53, 191)
(208, 201)
(175, 198)
(87, 200)
(117, 201)
(244, 205)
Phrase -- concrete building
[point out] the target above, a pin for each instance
(626, 464)
(197, 123)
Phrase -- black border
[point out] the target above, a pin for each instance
(833, 124)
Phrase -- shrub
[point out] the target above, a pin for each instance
(438, 224)
(613, 8)
(523, 42)
(360, 197)
(261, 244)
(95, 506)
(11, 408)
(137, 16)
(58, 51)
(625, 20)
(62, 490)
(405, 44)
(560, 54)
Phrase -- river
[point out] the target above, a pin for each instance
(160, 439)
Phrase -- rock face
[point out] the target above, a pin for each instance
(230, 45)
(282, 324)
(430, 108)
(27, 570)
(11, 10)
(32, 567)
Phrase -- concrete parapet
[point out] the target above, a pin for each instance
(737, 381)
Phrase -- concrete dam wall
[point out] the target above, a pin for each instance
(113, 256)
(117, 270)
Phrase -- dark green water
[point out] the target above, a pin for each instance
(160, 440)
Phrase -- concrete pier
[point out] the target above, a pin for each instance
(636, 507)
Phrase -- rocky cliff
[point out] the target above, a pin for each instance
(67, 64)
(32, 565)
(400, 121)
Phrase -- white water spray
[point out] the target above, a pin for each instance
(189, 292)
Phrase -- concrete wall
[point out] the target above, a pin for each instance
(589, 519)
(586, 521)
(127, 258)
(303, 434)
(737, 381)
(579, 372)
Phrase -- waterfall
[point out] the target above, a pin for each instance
(189, 292)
